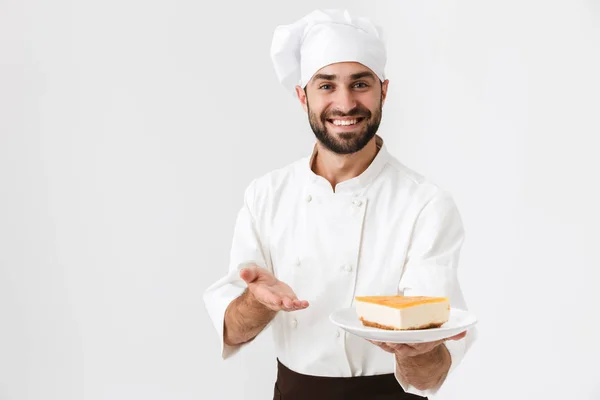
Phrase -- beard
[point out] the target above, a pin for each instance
(346, 142)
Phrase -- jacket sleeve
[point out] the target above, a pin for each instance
(246, 249)
(431, 270)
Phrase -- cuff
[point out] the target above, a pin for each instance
(217, 300)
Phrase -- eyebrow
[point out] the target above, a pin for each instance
(325, 77)
(358, 75)
(364, 74)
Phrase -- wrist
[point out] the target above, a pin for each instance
(424, 371)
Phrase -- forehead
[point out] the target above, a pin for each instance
(343, 70)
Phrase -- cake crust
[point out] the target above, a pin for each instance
(391, 328)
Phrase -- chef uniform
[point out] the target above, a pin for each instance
(387, 231)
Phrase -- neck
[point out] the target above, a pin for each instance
(337, 168)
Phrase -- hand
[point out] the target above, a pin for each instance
(414, 349)
(270, 291)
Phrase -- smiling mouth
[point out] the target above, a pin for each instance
(346, 122)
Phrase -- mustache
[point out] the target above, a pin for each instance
(358, 112)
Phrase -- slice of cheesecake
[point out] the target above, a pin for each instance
(403, 312)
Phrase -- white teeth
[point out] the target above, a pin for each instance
(339, 122)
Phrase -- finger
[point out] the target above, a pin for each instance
(401, 349)
(296, 304)
(397, 346)
(420, 348)
(288, 303)
(276, 303)
(300, 304)
(383, 346)
(459, 336)
(389, 348)
(427, 346)
(415, 349)
(407, 351)
(248, 274)
(378, 344)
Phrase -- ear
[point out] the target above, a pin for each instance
(384, 89)
(302, 97)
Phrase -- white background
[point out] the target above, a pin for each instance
(129, 130)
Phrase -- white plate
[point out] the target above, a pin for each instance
(458, 322)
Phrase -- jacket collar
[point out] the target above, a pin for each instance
(357, 185)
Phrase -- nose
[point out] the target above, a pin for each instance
(344, 100)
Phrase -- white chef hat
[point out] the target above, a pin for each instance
(324, 37)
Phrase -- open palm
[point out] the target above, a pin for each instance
(270, 291)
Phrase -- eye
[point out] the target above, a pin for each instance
(360, 85)
(326, 86)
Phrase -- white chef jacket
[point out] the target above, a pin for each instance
(387, 231)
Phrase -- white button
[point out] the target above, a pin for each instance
(294, 323)
(308, 198)
(357, 203)
(347, 267)
(297, 262)
(337, 334)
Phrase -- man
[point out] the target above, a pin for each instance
(349, 220)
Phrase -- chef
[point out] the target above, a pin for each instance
(347, 220)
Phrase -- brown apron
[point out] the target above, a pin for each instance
(291, 385)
